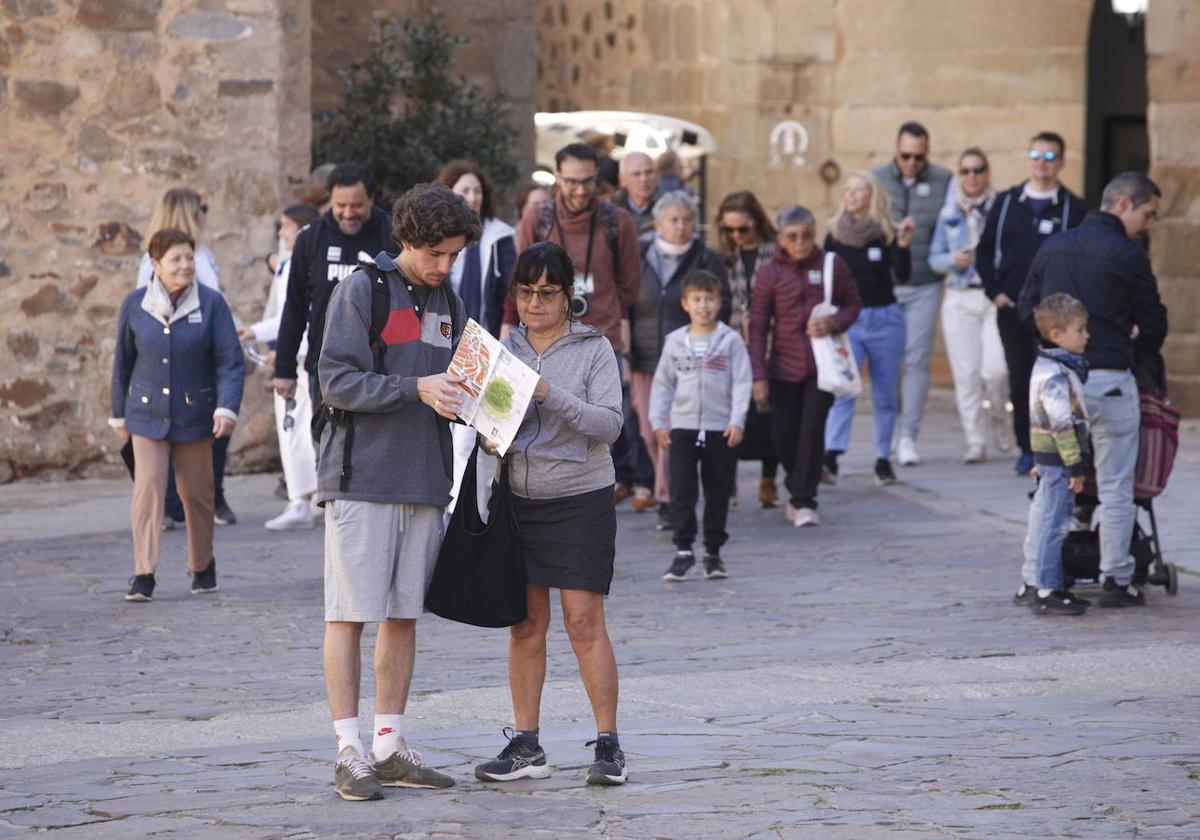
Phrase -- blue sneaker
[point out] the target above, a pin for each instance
(1024, 464)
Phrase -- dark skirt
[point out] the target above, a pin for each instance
(569, 543)
(758, 443)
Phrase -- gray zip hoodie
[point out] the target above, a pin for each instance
(561, 448)
(701, 383)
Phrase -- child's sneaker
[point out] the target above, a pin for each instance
(1058, 602)
(829, 468)
(884, 474)
(684, 560)
(714, 567)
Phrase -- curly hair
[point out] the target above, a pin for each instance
(429, 213)
(455, 169)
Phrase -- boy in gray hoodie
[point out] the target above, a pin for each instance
(698, 405)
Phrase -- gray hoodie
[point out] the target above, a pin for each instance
(401, 451)
(701, 383)
(561, 448)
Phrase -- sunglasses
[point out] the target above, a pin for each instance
(919, 157)
(1049, 157)
(740, 230)
(971, 170)
(289, 422)
(796, 236)
(547, 296)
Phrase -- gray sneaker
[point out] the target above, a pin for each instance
(353, 779)
(404, 769)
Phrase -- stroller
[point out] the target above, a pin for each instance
(1156, 456)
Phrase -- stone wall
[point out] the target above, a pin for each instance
(105, 104)
(1173, 53)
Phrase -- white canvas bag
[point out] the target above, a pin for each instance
(837, 372)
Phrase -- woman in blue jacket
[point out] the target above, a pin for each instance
(176, 385)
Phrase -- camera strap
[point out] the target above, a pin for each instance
(587, 262)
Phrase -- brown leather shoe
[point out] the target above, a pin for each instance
(643, 502)
(768, 496)
(621, 492)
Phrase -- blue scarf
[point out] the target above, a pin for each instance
(1074, 361)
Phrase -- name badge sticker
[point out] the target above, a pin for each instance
(814, 277)
(1046, 226)
(196, 317)
(923, 190)
(334, 254)
(875, 254)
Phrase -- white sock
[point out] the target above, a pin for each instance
(388, 738)
(346, 731)
(1044, 593)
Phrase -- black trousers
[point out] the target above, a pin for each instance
(798, 424)
(1020, 352)
(716, 463)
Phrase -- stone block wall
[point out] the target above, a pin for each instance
(1173, 73)
(104, 105)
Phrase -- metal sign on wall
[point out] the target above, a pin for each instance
(788, 144)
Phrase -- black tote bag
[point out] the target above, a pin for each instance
(480, 574)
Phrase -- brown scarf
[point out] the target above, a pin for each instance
(854, 232)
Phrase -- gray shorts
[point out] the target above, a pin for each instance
(379, 559)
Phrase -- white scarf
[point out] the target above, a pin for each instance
(670, 249)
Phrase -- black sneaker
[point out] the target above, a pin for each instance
(664, 519)
(829, 468)
(206, 581)
(683, 561)
(609, 766)
(714, 567)
(1114, 595)
(222, 515)
(141, 588)
(884, 475)
(1058, 602)
(519, 760)
(1024, 595)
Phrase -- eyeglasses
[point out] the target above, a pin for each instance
(526, 293)
(289, 422)
(740, 230)
(1049, 157)
(575, 183)
(971, 170)
(796, 236)
(919, 157)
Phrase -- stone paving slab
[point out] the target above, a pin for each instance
(869, 678)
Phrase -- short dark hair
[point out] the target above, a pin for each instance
(1137, 186)
(1057, 312)
(974, 151)
(544, 259)
(913, 129)
(1050, 137)
(429, 213)
(701, 281)
(455, 169)
(166, 239)
(302, 214)
(577, 151)
(349, 174)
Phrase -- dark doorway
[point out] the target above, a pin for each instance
(1117, 140)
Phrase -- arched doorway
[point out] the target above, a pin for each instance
(1117, 139)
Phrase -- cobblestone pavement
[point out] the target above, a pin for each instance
(868, 678)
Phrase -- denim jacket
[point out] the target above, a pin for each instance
(955, 230)
(174, 370)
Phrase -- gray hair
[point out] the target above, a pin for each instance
(797, 214)
(1135, 185)
(673, 199)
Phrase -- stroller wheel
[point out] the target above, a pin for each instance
(1172, 579)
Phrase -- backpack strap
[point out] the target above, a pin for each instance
(545, 221)
(610, 220)
(380, 308)
(999, 250)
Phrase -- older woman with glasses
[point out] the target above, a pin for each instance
(747, 239)
(969, 326)
(785, 292)
(669, 253)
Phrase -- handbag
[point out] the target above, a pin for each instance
(1159, 441)
(479, 578)
(837, 371)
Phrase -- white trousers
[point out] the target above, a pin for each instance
(486, 468)
(295, 443)
(976, 359)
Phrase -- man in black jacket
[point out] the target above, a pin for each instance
(326, 251)
(1021, 219)
(1100, 264)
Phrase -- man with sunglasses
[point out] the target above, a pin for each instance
(916, 190)
(1021, 219)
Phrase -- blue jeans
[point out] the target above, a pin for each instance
(878, 337)
(920, 305)
(1049, 519)
(1115, 415)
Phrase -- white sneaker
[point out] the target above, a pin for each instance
(295, 517)
(806, 518)
(975, 455)
(906, 452)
